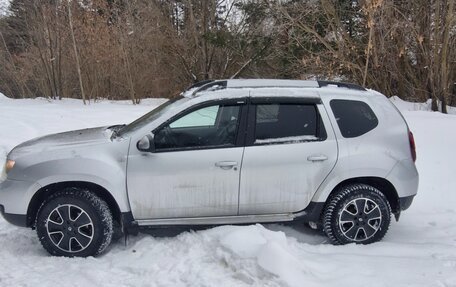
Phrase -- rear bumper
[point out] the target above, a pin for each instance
(404, 178)
(405, 202)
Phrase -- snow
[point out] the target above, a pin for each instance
(270, 83)
(407, 106)
(287, 139)
(419, 250)
(4, 6)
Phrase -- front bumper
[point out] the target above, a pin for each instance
(15, 196)
(16, 219)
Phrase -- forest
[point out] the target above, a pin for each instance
(135, 49)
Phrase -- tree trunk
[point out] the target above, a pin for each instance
(76, 54)
(445, 63)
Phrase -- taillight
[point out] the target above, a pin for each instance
(412, 145)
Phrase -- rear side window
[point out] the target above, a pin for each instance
(354, 118)
(267, 113)
(287, 123)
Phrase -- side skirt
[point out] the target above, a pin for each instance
(241, 219)
(311, 213)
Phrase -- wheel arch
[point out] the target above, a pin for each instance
(47, 190)
(382, 184)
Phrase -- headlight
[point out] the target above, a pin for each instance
(9, 165)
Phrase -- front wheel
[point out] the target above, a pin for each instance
(357, 213)
(74, 223)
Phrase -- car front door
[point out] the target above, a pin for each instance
(290, 150)
(195, 169)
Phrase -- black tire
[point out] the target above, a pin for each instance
(74, 223)
(357, 213)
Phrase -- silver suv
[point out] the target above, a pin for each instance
(331, 154)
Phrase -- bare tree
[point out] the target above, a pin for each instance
(135, 49)
(76, 53)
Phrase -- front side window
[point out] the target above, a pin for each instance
(210, 126)
(354, 118)
(204, 117)
(287, 123)
(152, 115)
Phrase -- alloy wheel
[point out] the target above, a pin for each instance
(70, 228)
(360, 219)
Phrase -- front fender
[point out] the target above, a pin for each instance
(108, 174)
(103, 164)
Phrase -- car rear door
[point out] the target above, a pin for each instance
(290, 149)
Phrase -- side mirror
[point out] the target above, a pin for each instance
(146, 144)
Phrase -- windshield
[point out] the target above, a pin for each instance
(152, 115)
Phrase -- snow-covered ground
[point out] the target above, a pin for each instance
(419, 250)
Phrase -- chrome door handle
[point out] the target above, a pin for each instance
(320, 157)
(226, 164)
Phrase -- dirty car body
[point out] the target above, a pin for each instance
(225, 152)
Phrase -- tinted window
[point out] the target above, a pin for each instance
(354, 118)
(206, 127)
(267, 113)
(287, 122)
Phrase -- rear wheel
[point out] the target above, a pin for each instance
(357, 213)
(74, 222)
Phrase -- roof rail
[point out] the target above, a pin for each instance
(265, 83)
(207, 85)
(341, 85)
(199, 84)
(271, 83)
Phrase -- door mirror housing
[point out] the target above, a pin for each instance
(146, 144)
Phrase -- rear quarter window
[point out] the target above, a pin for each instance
(354, 118)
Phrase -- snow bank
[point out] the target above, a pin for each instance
(3, 97)
(409, 106)
(268, 249)
(419, 250)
